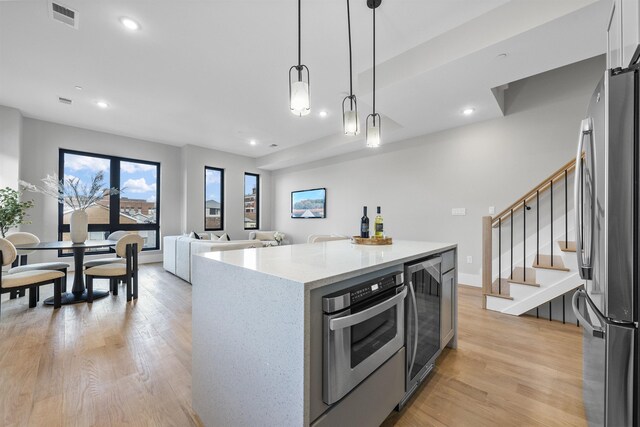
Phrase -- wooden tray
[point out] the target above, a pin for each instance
(372, 240)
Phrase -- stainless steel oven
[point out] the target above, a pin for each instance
(363, 327)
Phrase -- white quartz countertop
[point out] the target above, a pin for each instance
(318, 264)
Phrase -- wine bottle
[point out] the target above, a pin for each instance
(364, 224)
(379, 225)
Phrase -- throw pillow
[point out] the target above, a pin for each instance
(224, 238)
(193, 235)
(264, 235)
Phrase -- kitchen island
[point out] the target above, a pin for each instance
(257, 329)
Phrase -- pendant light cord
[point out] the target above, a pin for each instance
(350, 60)
(299, 39)
(374, 65)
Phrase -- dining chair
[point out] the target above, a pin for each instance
(116, 235)
(128, 248)
(20, 264)
(31, 279)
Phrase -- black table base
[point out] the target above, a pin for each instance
(71, 298)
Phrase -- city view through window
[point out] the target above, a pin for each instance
(251, 201)
(137, 204)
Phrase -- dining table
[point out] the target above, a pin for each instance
(78, 291)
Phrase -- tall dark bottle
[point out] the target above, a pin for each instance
(364, 224)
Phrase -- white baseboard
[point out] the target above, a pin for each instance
(470, 279)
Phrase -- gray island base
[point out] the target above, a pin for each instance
(258, 331)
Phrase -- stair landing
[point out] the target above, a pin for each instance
(544, 261)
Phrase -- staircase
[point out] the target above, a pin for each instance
(529, 249)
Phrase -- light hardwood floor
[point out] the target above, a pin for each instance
(114, 363)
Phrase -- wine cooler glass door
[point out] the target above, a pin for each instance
(423, 318)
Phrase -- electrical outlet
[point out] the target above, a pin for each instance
(458, 211)
(492, 210)
(469, 259)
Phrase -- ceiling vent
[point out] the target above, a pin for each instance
(66, 101)
(64, 14)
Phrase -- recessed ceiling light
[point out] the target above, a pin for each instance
(253, 142)
(79, 87)
(323, 113)
(129, 24)
(468, 111)
(102, 104)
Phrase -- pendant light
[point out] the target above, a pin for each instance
(373, 121)
(299, 82)
(350, 118)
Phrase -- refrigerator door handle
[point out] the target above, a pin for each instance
(584, 266)
(592, 330)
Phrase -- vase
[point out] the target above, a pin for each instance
(79, 226)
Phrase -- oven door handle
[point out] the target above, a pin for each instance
(353, 319)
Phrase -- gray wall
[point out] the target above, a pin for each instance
(10, 136)
(39, 157)
(417, 182)
(181, 178)
(194, 159)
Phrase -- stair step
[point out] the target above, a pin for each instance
(544, 261)
(504, 288)
(567, 246)
(518, 276)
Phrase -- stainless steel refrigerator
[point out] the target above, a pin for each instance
(607, 193)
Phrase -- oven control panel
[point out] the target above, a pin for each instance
(372, 288)
(345, 298)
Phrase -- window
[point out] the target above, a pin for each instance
(251, 201)
(213, 198)
(136, 208)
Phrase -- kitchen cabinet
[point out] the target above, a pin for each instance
(448, 305)
(614, 36)
(623, 33)
(630, 30)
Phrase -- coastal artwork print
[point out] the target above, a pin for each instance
(309, 203)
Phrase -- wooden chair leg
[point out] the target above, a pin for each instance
(22, 292)
(13, 294)
(37, 293)
(57, 293)
(64, 281)
(32, 296)
(89, 288)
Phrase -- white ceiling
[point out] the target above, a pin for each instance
(214, 73)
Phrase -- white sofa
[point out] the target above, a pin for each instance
(178, 251)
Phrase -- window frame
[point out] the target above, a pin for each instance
(244, 183)
(114, 201)
(221, 170)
